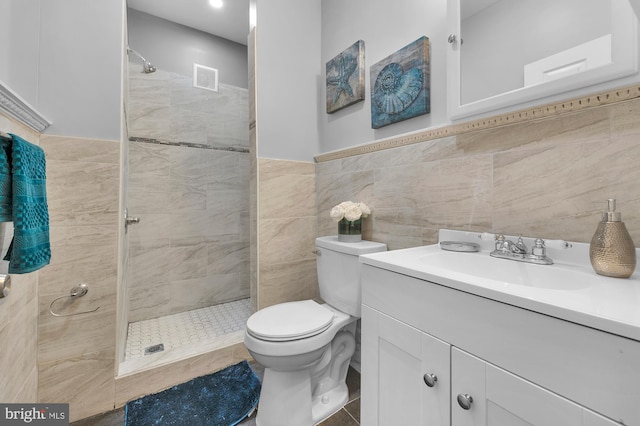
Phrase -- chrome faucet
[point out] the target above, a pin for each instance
(507, 249)
(506, 246)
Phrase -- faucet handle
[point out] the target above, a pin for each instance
(539, 249)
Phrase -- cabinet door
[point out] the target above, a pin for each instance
(395, 360)
(503, 399)
(468, 379)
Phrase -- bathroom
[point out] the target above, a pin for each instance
(492, 179)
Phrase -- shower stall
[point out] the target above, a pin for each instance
(187, 184)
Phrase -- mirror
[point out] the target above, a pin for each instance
(503, 53)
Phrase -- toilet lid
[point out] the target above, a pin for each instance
(290, 321)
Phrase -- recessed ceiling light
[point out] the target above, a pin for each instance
(216, 3)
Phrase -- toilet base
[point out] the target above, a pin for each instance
(285, 399)
(329, 403)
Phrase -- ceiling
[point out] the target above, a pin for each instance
(230, 22)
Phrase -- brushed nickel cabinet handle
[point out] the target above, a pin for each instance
(465, 400)
(430, 379)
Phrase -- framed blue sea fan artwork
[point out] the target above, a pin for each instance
(345, 78)
(400, 85)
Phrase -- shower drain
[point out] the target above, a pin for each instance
(153, 349)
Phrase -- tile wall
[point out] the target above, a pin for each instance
(18, 312)
(189, 185)
(548, 178)
(286, 231)
(165, 106)
(76, 354)
(73, 359)
(253, 171)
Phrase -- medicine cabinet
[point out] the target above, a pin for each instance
(503, 53)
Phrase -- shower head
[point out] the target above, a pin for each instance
(147, 68)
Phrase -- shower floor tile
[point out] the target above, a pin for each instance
(198, 327)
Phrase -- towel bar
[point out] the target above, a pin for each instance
(77, 291)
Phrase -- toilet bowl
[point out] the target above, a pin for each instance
(302, 371)
(306, 346)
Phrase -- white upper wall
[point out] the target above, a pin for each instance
(385, 27)
(295, 40)
(5, 39)
(19, 47)
(288, 80)
(65, 59)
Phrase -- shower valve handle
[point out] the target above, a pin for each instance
(129, 220)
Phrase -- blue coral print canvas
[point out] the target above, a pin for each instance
(345, 78)
(400, 85)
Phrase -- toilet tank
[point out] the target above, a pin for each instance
(339, 271)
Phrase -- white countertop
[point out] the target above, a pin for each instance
(569, 289)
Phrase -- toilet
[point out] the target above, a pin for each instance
(305, 346)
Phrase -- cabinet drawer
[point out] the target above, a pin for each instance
(592, 368)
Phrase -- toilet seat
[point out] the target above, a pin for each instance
(290, 321)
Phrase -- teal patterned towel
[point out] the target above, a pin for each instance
(23, 200)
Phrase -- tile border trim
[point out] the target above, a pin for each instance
(188, 144)
(520, 116)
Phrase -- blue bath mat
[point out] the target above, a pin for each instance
(223, 398)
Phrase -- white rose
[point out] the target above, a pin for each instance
(347, 205)
(337, 213)
(352, 213)
(366, 211)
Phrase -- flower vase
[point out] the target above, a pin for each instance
(350, 231)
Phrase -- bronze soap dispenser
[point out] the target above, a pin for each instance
(612, 252)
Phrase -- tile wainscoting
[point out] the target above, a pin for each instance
(547, 177)
(77, 354)
(286, 231)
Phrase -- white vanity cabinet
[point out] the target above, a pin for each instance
(517, 366)
(406, 375)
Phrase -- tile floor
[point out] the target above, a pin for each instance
(347, 416)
